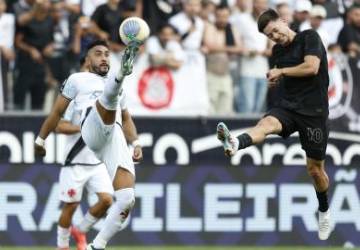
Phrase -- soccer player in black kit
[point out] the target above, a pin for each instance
(299, 70)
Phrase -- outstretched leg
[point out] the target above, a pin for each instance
(267, 125)
(107, 103)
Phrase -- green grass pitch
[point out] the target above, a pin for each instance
(188, 248)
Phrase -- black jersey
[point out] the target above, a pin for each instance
(304, 95)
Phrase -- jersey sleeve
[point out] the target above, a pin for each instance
(69, 88)
(313, 44)
(69, 112)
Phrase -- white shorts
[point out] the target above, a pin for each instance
(73, 179)
(107, 142)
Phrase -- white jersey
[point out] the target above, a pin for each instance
(83, 89)
(81, 155)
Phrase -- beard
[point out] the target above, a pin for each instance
(101, 70)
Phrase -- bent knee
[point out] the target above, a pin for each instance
(315, 173)
(315, 168)
(269, 124)
(126, 195)
(125, 201)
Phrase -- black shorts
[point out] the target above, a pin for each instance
(313, 130)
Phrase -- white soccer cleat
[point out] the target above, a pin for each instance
(324, 225)
(229, 142)
(91, 247)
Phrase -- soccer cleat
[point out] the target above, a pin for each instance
(230, 143)
(91, 247)
(127, 61)
(79, 237)
(324, 225)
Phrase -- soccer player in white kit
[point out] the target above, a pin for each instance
(80, 169)
(96, 94)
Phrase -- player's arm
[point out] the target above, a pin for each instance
(309, 67)
(50, 123)
(131, 135)
(313, 53)
(67, 128)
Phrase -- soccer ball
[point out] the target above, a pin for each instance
(134, 29)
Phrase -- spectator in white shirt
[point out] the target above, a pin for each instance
(189, 25)
(285, 12)
(164, 49)
(7, 27)
(251, 88)
(317, 15)
(301, 14)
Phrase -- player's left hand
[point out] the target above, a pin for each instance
(39, 150)
(137, 155)
(274, 75)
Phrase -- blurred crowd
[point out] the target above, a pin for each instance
(43, 41)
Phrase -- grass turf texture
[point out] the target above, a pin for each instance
(189, 248)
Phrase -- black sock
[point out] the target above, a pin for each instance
(244, 141)
(323, 201)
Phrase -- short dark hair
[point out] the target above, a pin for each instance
(222, 6)
(96, 43)
(265, 18)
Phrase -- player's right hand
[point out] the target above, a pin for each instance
(39, 150)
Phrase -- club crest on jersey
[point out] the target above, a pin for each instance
(340, 86)
(95, 94)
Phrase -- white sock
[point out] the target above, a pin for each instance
(110, 97)
(87, 222)
(63, 237)
(125, 200)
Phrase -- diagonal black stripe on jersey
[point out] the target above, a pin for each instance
(86, 115)
(78, 146)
